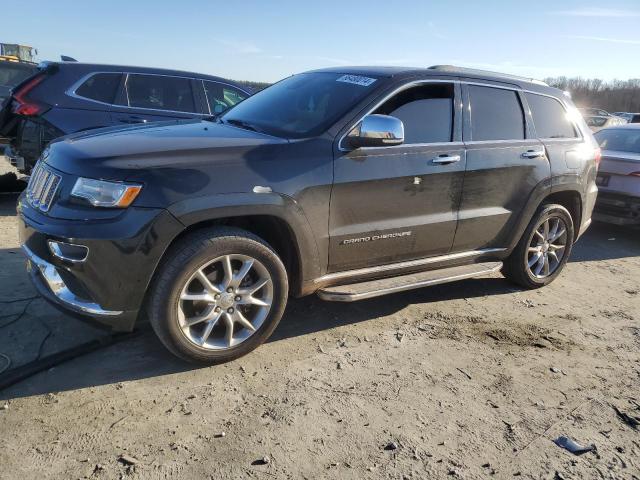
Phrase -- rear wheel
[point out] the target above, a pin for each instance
(219, 295)
(544, 248)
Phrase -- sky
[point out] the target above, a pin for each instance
(271, 39)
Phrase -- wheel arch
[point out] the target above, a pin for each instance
(572, 201)
(277, 219)
(569, 197)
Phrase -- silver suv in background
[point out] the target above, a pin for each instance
(619, 176)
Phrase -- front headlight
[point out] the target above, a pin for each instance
(101, 193)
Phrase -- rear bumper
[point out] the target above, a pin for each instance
(588, 202)
(617, 208)
(28, 138)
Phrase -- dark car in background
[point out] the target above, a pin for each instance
(68, 97)
(619, 175)
(11, 74)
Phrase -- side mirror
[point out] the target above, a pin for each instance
(377, 131)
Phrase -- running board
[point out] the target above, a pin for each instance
(385, 286)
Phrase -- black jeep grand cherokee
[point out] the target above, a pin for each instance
(351, 183)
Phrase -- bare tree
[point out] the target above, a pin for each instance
(614, 96)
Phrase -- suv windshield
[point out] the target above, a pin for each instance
(619, 139)
(303, 105)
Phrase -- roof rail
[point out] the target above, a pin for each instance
(475, 71)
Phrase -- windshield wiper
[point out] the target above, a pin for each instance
(241, 124)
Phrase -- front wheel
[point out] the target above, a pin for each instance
(218, 295)
(543, 250)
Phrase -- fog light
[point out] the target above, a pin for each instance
(68, 251)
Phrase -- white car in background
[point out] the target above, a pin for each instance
(597, 123)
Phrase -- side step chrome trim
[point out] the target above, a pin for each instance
(362, 272)
(377, 288)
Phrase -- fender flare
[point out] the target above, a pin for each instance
(197, 210)
(544, 189)
(541, 191)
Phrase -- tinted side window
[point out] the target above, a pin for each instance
(550, 118)
(101, 87)
(426, 112)
(221, 97)
(496, 114)
(160, 92)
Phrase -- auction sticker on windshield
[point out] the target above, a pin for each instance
(356, 80)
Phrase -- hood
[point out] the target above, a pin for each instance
(107, 152)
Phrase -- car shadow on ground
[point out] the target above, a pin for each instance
(8, 204)
(10, 186)
(604, 241)
(143, 356)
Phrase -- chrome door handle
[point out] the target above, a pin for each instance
(533, 154)
(444, 159)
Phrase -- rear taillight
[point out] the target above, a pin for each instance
(23, 105)
(635, 174)
(598, 157)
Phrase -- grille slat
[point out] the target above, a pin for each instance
(45, 189)
(42, 187)
(36, 179)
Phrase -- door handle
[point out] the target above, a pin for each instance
(444, 159)
(533, 154)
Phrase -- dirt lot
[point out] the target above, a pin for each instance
(466, 380)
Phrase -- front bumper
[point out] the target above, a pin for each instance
(50, 285)
(111, 282)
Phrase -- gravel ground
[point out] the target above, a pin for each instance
(466, 380)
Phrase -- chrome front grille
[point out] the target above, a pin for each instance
(42, 187)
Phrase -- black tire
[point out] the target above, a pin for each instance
(516, 268)
(186, 257)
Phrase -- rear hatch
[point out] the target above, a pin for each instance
(620, 173)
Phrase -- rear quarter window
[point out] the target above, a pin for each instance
(496, 114)
(101, 87)
(550, 118)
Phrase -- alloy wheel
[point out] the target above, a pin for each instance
(547, 247)
(225, 301)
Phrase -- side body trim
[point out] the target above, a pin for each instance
(362, 272)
